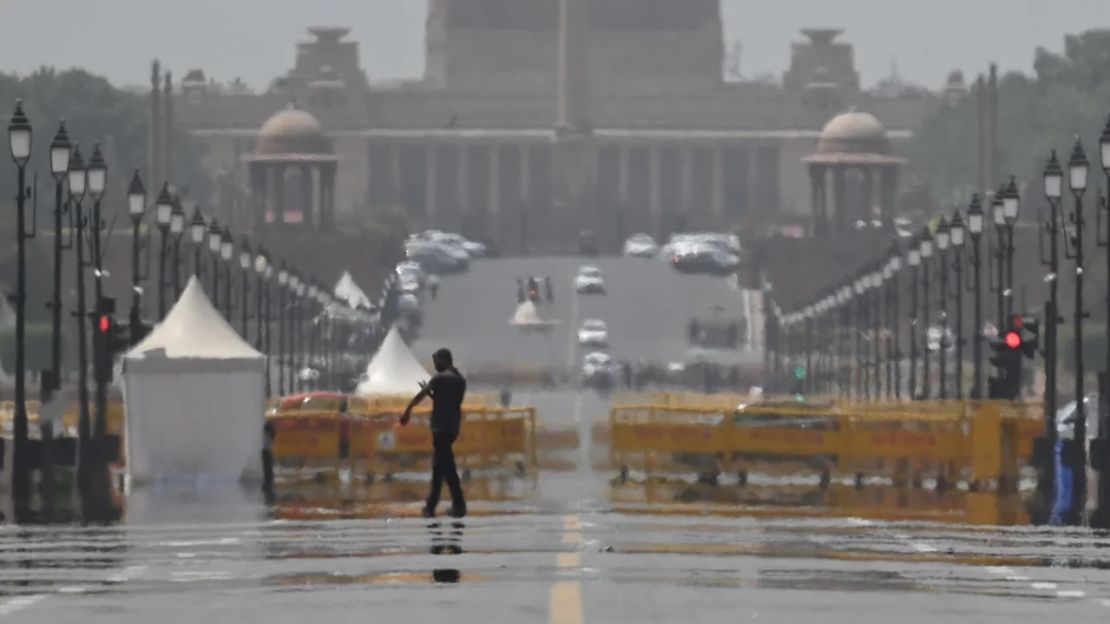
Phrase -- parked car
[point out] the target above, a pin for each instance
(437, 258)
(593, 333)
(411, 270)
(703, 258)
(589, 281)
(599, 370)
(640, 246)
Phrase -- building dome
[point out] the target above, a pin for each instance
(292, 131)
(854, 133)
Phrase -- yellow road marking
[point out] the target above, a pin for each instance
(565, 606)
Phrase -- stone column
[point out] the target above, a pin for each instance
(325, 220)
(719, 185)
(574, 88)
(655, 201)
(279, 194)
(842, 211)
(868, 193)
(888, 193)
(430, 185)
(257, 172)
(526, 173)
(622, 174)
(167, 129)
(395, 157)
(494, 198)
(753, 180)
(462, 187)
(154, 173)
(308, 219)
(817, 200)
(687, 181)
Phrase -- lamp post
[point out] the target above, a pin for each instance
(246, 259)
(164, 214)
(310, 300)
(943, 237)
(926, 248)
(876, 278)
(263, 272)
(136, 206)
(77, 185)
(1054, 191)
(177, 230)
(1077, 179)
(1102, 513)
(215, 242)
(895, 290)
(298, 336)
(198, 230)
(975, 229)
(859, 289)
(227, 251)
(97, 176)
(913, 259)
(60, 150)
(19, 142)
(1011, 207)
(957, 232)
(1001, 291)
(282, 279)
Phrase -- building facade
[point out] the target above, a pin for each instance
(536, 119)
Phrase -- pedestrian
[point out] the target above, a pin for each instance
(506, 397)
(269, 434)
(433, 286)
(447, 388)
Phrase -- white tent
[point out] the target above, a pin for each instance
(527, 316)
(393, 370)
(347, 290)
(194, 398)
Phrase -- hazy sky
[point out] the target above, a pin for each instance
(254, 39)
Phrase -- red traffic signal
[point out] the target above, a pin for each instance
(1013, 340)
(104, 324)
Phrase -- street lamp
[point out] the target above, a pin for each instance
(227, 251)
(246, 259)
(913, 260)
(177, 230)
(1053, 190)
(215, 241)
(19, 141)
(164, 214)
(894, 292)
(78, 179)
(97, 175)
(957, 232)
(943, 237)
(998, 212)
(282, 279)
(294, 330)
(136, 206)
(1077, 179)
(60, 150)
(262, 309)
(975, 230)
(926, 248)
(198, 229)
(1011, 206)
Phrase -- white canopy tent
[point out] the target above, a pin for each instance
(194, 398)
(347, 290)
(393, 370)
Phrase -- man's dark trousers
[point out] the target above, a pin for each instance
(443, 467)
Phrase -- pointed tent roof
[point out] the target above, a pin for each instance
(193, 329)
(393, 369)
(347, 290)
(528, 315)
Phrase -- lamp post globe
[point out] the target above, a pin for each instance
(164, 206)
(943, 235)
(227, 246)
(77, 174)
(1104, 146)
(60, 149)
(245, 255)
(215, 237)
(956, 229)
(261, 263)
(97, 172)
(975, 217)
(136, 197)
(19, 136)
(1078, 168)
(1011, 202)
(1054, 178)
(197, 227)
(998, 208)
(926, 245)
(177, 219)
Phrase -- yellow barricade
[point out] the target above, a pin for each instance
(488, 437)
(984, 441)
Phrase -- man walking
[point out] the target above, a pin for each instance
(447, 389)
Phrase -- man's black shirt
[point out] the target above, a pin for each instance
(447, 390)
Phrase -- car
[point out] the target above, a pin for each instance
(589, 281)
(599, 369)
(593, 333)
(409, 284)
(436, 258)
(408, 302)
(411, 270)
(473, 249)
(640, 246)
(705, 259)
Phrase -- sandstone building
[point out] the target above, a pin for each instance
(536, 119)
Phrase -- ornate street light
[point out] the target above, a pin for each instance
(19, 143)
(1077, 179)
(60, 152)
(957, 231)
(163, 211)
(136, 206)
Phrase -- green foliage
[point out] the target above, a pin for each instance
(1068, 95)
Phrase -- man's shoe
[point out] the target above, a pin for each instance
(429, 511)
(458, 510)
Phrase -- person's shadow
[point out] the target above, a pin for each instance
(446, 541)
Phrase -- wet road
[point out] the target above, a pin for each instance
(568, 544)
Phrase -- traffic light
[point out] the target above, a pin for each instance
(109, 338)
(1006, 356)
(1028, 329)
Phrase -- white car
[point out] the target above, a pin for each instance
(640, 246)
(411, 270)
(408, 302)
(589, 281)
(594, 333)
(599, 369)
